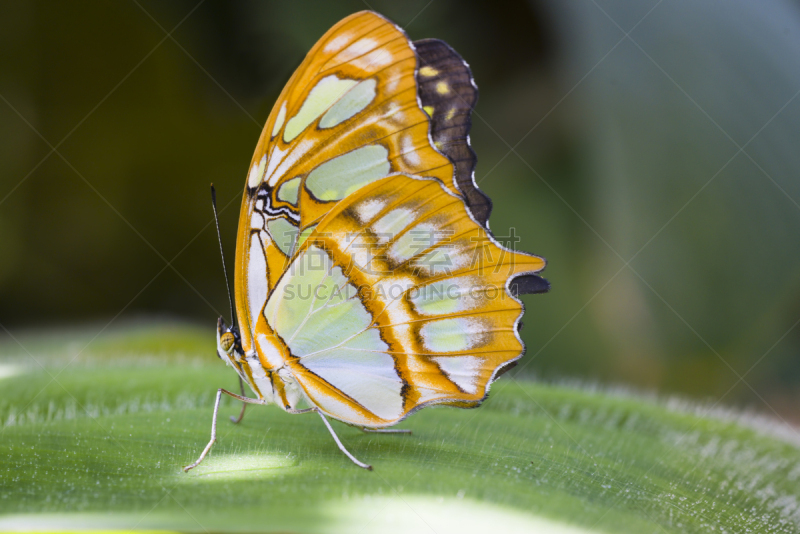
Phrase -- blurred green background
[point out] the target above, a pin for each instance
(648, 149)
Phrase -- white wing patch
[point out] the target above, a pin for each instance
(337, 43)
(388, 226)
(369, 378)
(415, 241)
(451, 295)
(452, 335)
(316, 311)
(379, 57)
(268, 351)
(409, 152)
(330, 404)
(463, 371)
(357, 49)
(278, 167)
(446, 258)
(256, 285)
(368, 209)
(256, 220)
(257, 172)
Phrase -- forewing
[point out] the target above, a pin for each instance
(408, 303)
(348, 116)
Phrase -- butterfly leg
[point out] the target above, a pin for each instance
(237, 420)
(385, 430)
(339, 443)
(214, 423)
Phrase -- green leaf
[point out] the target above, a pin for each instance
(94, 434)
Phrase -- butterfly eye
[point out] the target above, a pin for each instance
(226, 341)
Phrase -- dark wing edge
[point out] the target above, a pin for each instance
(528, 284)
(451, 93)
(451, 119)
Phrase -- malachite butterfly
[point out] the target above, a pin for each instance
(367, 282)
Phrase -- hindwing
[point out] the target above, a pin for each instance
(397, 300)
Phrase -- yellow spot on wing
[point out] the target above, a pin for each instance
(428, 71)
(289, 190)
(356, 99)
(283, 234)
(342, 175)
(442, 88)
(428, 110)
(304, 235)
(322, 96)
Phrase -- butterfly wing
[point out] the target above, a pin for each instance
(397, 300)
(349, 115)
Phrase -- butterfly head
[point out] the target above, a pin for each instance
(229, 347)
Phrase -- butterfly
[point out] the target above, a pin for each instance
(367, 282)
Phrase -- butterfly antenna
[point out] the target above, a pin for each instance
(222, 253)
